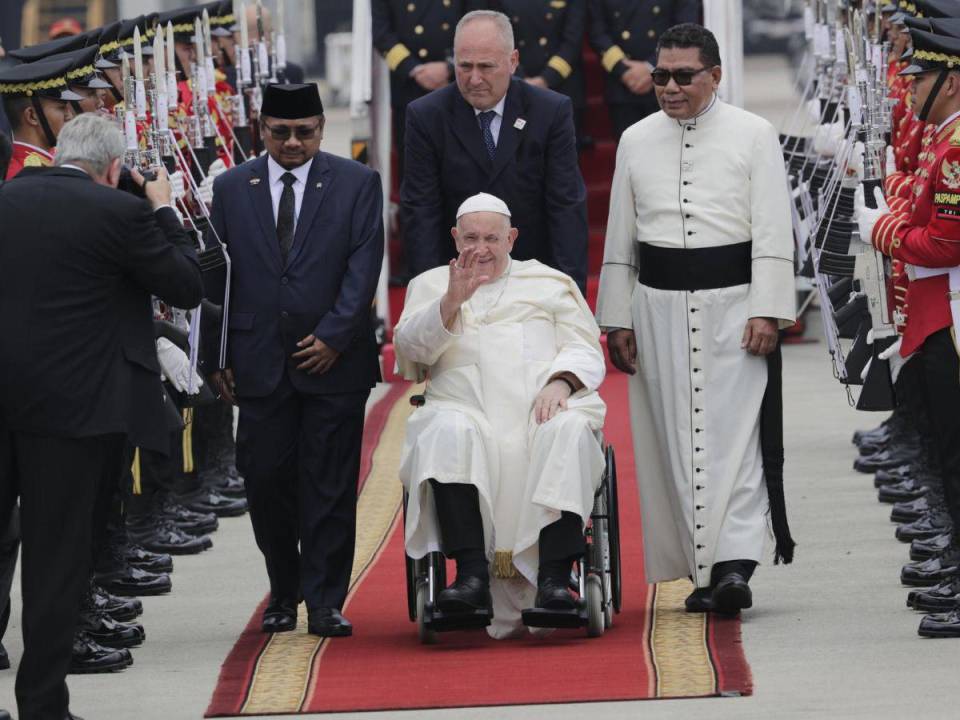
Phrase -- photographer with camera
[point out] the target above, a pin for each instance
(79, 377)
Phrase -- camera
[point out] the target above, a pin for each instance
(128, 184)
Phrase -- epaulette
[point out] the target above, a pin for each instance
(36, 160)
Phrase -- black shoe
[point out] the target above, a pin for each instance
(927, 548)
(934, 523)
(120, 609)
(140, 557)
(940, 598)
(162, 536)
(930, 572)
(699, 601)
(732, 594)
(209, 501)
(4, 660)
(941, 625)
(192, 523)
(902, 491)
(328, 622)
(279, 617)
(910, 510)
(891, 476)
(127, 581)
(225, 480)
(882, 430)
(106, 631)
(90, 657)
(466, 594)
(885, 459)
(554, 594)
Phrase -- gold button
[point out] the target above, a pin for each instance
(423, 52)
(411, 7)
(656, 9)
(651, 33)
(418, 29)
(625, 34)
(543, 41)
(446, 26)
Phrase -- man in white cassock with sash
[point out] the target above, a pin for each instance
(697, 276)
(502, 461)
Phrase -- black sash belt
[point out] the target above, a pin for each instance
(694, 269)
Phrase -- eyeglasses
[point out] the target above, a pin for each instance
(281, 133)
(683, 78)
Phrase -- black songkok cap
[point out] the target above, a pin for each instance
(932, 52)
(291, 102)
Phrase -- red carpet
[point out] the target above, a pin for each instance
(654, 649)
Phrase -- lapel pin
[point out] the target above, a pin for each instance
(255, 181)
(319, 185)
(520, 124)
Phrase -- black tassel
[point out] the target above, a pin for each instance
(771, 449)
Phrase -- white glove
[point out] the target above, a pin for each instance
(205, 189)
(827, 139)
(866, 370)
(891, 167)
(813, 111)
(897, 361)
(176, 366)
(178, 186)
(867, 217)
(855, 164)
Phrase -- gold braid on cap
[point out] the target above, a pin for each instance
(30, 87)
(80, 72)
(952, 61)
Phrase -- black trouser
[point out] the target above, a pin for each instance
(300, 457)
(461, 526)
(941, 382)
(159, 473)
(58, 480)
(623, 115)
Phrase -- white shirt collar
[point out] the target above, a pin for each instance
(498, 108)
(74, 167)
(275, 171)
(949, 120)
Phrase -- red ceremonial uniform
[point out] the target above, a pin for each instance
(27, 155)
(928, 236)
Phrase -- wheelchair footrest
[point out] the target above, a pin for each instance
(439, 621)
(544, 618)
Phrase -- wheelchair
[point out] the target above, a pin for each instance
(596, 578)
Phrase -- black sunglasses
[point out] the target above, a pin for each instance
(281, 133)
(662, 77)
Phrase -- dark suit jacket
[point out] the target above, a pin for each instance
(635, 27)
(326, 288)
(78, 264)
(534, 171)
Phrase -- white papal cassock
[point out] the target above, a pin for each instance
(717, 179)
(477, 425)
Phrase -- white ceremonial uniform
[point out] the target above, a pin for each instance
(477, 425)
(717, 179)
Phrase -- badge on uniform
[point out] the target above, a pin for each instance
(520, 123)
(254, 181)
(319, 185)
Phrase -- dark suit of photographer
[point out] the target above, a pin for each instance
(79, 261)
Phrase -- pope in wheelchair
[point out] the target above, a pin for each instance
(502, 461)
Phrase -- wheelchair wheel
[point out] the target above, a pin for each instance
(594, 600)
(425, 634)
(613, 529)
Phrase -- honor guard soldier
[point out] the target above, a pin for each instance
(37, 102)
(928, 240)
(624, 34)
(82, 78)
(549, 37)
(415, 37)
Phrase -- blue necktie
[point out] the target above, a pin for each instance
(485, 118)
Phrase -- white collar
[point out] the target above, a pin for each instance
(498, 108)
(703, 113)
(949, 120)
(276, 171)
(34, 147)
(68, 166)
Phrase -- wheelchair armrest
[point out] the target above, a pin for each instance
(418, 400)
